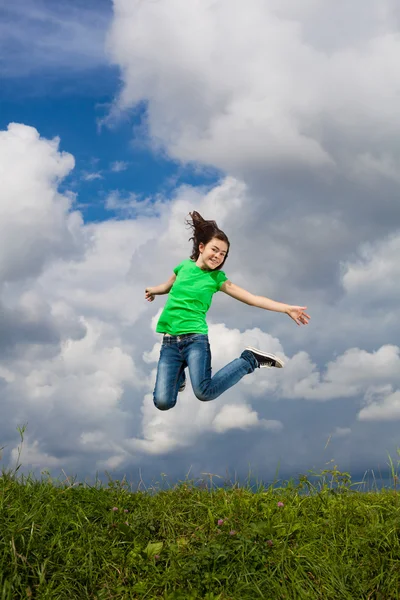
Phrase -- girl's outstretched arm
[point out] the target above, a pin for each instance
(158, 290)
(295, 312)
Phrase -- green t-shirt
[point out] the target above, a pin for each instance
(189, 299)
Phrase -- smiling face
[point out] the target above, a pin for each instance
(212, 254)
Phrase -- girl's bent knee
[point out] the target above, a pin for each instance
(162, 404)
(204, 397)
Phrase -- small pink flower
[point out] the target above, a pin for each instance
(280, 504)
(220, 522)
(233, 532)
(126, 510)
(115, 508)
(270, 542)
(126, 523)
(156, 556)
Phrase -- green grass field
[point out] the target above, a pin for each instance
(64, 540)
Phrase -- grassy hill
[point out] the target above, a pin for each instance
(301, 540)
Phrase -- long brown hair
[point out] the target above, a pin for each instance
(203, 232)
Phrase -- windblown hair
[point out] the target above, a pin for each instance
(203, 232)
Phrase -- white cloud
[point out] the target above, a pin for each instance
(387, 409)
(375, 274)
(241, 416)
(251, 87)
(132, 205)
(355, 373)
(341, 432)
(118, 166)
(92, 176)
(78, 349)
(29, 453)
(94, 370)
(100, 286)
(263, 91)
(60, 359)
(36, 221)
(349, 375)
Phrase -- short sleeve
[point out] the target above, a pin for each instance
(178, 267)
(221, 278)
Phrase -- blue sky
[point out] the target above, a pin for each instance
(75, 118)
(74, 115)
(285, 131)
(72, 103)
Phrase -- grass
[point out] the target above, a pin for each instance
(321, 539)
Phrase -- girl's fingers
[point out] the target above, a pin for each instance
(301, 319)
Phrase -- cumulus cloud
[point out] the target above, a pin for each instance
(61, 363)
(375, 274)
(82, 349)
(385, 409)
(265, 84)
(241, 416)
(29, 453)
(82, 366)
(301, 116)
(349, 375)
(296, 103)
(36, 223)
(299, 112)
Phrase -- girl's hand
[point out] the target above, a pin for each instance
(148, 294)
(298, 315)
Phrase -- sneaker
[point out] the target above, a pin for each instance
(266, 359)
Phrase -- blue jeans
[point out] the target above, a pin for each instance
(193, 351)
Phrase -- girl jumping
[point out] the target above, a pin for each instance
(183, 321)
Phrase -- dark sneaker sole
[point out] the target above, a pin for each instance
(275, 361)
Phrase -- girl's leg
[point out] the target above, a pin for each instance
(182, 382)
(171, 366)
(198, 357)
